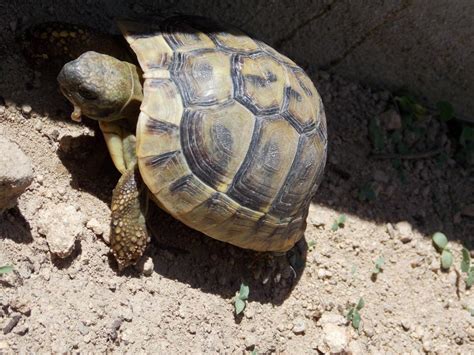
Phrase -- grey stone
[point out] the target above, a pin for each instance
(335, 339)
(299, 325)
(16, 173)
(404, 231)
(61, 224)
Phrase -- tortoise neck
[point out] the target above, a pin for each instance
(131, 109)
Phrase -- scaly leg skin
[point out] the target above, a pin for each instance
(129, 236)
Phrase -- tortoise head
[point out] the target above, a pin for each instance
(99, 86)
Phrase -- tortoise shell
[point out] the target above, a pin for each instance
(231, 138)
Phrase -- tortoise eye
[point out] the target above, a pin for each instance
(87, 94)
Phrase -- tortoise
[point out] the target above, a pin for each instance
(220, 130)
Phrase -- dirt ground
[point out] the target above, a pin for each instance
(185, 305)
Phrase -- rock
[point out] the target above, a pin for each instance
(299, 325)
(39, 126)
(406, 325)
(16, 173)
(250, 341)
(26, 109)
(331, 318)
(61, 224)
(334, 339)
(390, 120)
(21, 330)
(146, 266)
(11, 323)
(95, 226)
(356, 348)
(404, 231)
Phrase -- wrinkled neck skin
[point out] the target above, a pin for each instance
(131, 108)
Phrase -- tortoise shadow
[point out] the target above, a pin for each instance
(179, 252)
(183, 254)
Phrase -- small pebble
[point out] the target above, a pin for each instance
(39, 126)
(26, 109)
(405, 231)
(299, 325)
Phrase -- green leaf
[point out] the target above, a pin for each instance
(335, 226)
(356, 320)
(360, 304)
(5, 269)
(244, 292)
(419, 111)
(254, 352)
(341, 219)
(466, 260)
(446, 259)
(470, 279)
(405, 103)
(378, 265)
(440, 240)
(350, 314)
(446, 110)
(239, 305)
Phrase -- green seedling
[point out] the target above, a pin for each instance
(410, 108)
(339, 222)
(467, 267)
(378, 268)
(354, 315)
(240, 300)
(367, 193)
(5, 269)
(441, 243)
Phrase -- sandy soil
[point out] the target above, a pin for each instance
(82, 303)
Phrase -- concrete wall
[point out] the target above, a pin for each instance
(424, 45)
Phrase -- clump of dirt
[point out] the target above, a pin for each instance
(181, 299)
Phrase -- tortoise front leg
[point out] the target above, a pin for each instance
(121, 143)
(129, 236)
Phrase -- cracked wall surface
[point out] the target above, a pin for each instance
(424, 45)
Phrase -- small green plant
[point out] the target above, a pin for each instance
(441, 243)
(240, 300)
(467, 267)
(367, 193)
(378, 268)
(339, 222)
(5, 269)
(354, 316)
(254, 352)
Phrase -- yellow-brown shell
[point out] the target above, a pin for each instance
(231, 138)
